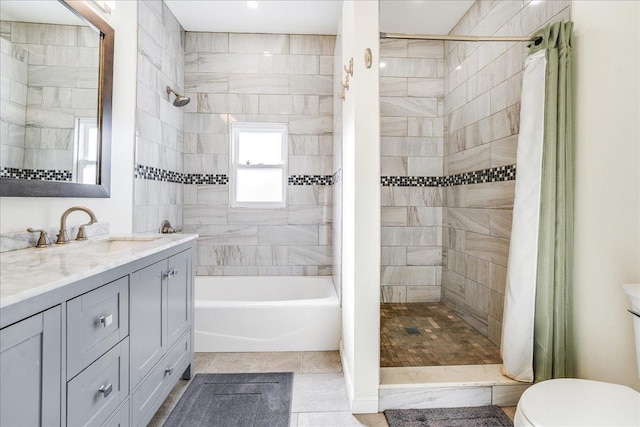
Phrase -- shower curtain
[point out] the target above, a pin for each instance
(537, 327)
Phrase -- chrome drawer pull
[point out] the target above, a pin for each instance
(168, 371)
(105, 320)
(170, 273)
(106, 391)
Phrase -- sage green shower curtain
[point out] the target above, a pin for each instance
(553, 327)
(537, 329)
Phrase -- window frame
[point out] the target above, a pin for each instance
(235, 165)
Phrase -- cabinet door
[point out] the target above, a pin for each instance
(148, 319)
(179, 296)
(30, 371)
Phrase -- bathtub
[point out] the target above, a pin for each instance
(248, 313)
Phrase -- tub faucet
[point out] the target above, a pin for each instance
(166, 228)
(63, 237)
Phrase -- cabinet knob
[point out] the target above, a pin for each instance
(170, 273)
(105, 390)
(105, 320)
(168, 371)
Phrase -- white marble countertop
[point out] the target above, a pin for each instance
(27, 273)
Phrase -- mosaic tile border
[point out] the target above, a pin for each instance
(157, 174)
(497, 174)
(36, 174)
(310, 179)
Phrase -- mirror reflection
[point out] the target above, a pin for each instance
(50, 63)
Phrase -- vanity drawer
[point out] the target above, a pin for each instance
(96, 321)
(150, 395)
(96, 392)
(120, 418)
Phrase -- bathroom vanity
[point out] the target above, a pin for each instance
(95, 332)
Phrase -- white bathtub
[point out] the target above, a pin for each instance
(237, 314)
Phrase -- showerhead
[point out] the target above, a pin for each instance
(180, 100)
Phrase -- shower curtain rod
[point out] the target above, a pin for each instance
(458, 38)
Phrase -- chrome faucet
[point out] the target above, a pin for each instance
(63, 237)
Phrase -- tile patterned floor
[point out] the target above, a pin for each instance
(429, 334)
(319, 392)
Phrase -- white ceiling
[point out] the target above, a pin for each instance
(43, 11)
(313, 16)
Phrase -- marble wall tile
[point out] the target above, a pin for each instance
(207, 42)
(425, 49)
(424, 126)
(476, 220)
(393, 166)
(198, 215)
(504, 151)
(476, 269)
(476, 295)
(394, 126)
(423, 255)
(396, 48)
(288, 235)
(250, 216)
(396, 86)
(309, 215)
(420, 216)
(259, 43)
(496, 195)
(393, 294)
(500, 222)
(470, 313)
(393, 256)
(424, 166)
(227, 235)
(310, 165)
(259, 83)
(310, 125)
(497, 278)
(410, 67)
(310, 255)
(423, 293)
(475, 158)
(423, 87)
(309, 195)
(411, 146)
(453, 282)
(228, 63)
(433, 397)
(393, 216)
(311, 45)
(410, 236)
(490, 248)
(394, 106)
(424, 196)
(310, 84)
(494, 331)
(206, 82)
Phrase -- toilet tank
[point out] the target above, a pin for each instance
(633, 291)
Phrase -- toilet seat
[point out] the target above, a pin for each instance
(574, 402)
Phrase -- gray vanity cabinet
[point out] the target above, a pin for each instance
(148, 320)
(30, 368)
(179, 296)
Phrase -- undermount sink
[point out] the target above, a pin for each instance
(112, 244)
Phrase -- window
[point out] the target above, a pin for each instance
(258, 165)
(85, 153)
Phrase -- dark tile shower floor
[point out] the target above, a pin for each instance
(429, 334)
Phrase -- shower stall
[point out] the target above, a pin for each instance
(450, 111)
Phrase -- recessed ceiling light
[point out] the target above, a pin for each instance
(383, 64)
(252, 4)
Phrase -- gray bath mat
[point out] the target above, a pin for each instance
(480, 416)
(235, 400)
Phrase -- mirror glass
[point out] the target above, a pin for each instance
(50, 114)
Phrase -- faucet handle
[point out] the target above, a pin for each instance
(82, 234)
(43, 240)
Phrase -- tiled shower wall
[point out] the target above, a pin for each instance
(483, 83)
(411, 109)
(13, 99)
(59, 86)
(159, 126)
(272, 78)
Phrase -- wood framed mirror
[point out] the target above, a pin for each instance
(81, 175)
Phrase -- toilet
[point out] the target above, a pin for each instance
(577, 402)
